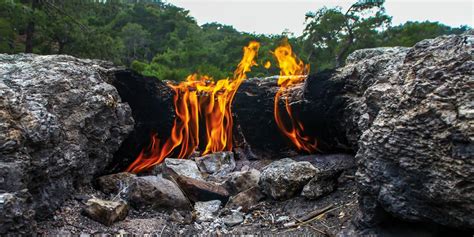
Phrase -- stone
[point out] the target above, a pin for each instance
(60, 124)
(242, 180)
(246, 199)
(199, 190)
(114, 183)
(233, 219)
(182, 217)
(156, 192)
(416, 142)
(321, 184)
(172, 168)
(207, 211)
(106, 212)
(219, 163)
(16, 215)
(285, 178)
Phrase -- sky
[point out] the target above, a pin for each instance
(277, 16)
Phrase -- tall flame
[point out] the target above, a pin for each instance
(199, 97)
(292, 71)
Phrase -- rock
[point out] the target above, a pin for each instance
(246, 199)
(114, 183)
(219, 163)
(16, 215)
(285, 178)
(321, 184)
(157, 193)
(206, 211)
(233, 219)
(416, 148)
(199, 190)
(106, 212)
(242, 180)
(181, 217)
(60, 124)
(179, 167)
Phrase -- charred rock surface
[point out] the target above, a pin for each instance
(151, 101)
(60, 123)
(416, 149)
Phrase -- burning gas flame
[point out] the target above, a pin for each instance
(292, 71)
(199, 97)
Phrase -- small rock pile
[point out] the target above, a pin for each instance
(209, 190)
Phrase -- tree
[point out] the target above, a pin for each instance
(333, 34)
(136, 41)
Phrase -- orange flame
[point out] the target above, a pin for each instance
(292, 72)
(199, 97)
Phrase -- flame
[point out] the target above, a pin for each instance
(292, 72)
(267, 65)
(196, 98)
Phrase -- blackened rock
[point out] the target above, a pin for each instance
(106, 212)
(199, 190)
(321, 184)
(242, 180)
(219, 163)
(285, 178)
(157, 193)
(114, 183)
(172, 168)
(16, 214)
(246, 199)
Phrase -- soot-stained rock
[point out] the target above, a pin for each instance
(114, 183)
(157, 193)
(242, 180)
(285, 178)
(16, 214)
(245, 199)
(60, 124)
(179, 167)
(323, 183)
(199, 190)
(218, 163)
(106, 212)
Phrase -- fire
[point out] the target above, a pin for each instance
(199, 98)
(292, 71)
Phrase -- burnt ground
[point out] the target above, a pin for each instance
(266, 218)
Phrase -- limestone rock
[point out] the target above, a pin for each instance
(60, 123)
(16, 215)
(114, 183)
(242, 180)
(106, 212)
(157, 193)
(245, 199)
(233, 219)
(411, 114)
(285, 178)
(207, 211)
(321, 184)
(180, 167)
(218, 163)
(199, 190)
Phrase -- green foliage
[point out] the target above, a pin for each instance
(162, 40)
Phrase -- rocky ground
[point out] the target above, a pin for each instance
(267, 217)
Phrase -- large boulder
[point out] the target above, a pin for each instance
(60, 123)
(410, 114)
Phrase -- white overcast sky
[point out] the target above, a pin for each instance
(274, 16)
